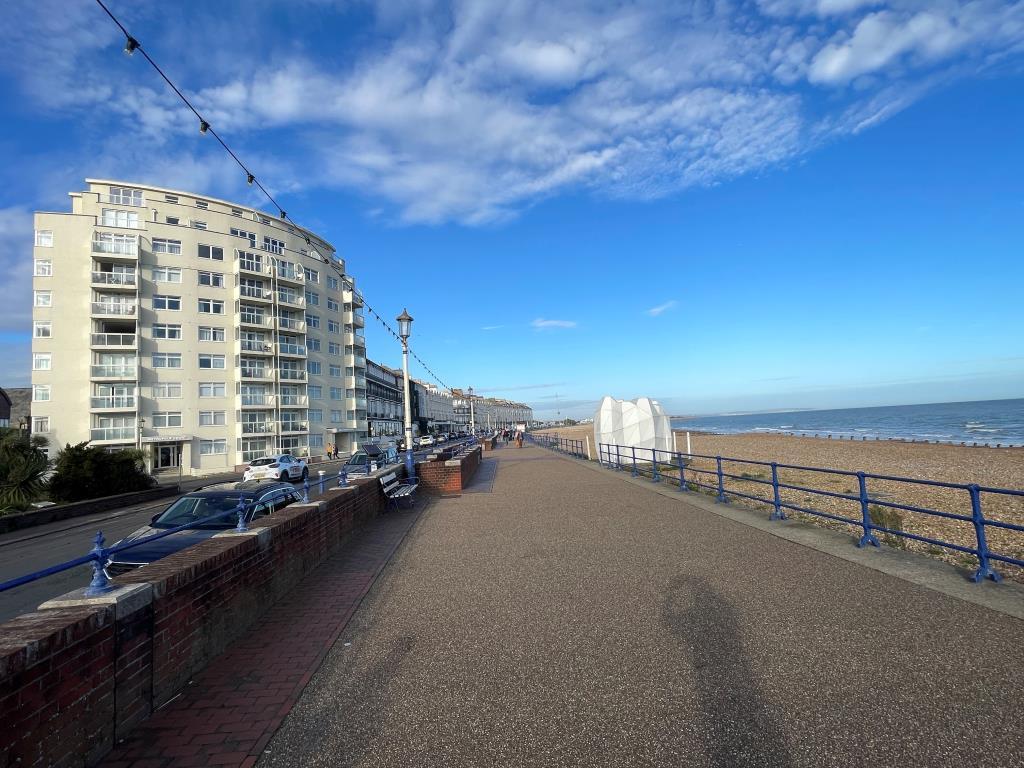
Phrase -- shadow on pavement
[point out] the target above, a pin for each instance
(738, 721)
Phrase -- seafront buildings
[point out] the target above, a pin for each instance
(203, 331)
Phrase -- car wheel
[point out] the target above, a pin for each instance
(284, 476)
(305, 473)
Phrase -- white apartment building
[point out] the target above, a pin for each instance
(490, 412)
(205, 332)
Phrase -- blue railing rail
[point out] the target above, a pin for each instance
(681, 468)
(99, 555)
(560, 444)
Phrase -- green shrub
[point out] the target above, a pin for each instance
(23, 464)
(88, 472)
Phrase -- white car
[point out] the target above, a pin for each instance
(427, 440)
(284, 466)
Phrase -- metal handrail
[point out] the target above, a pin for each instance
(654, 463)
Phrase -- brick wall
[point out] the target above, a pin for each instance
(448, 477)
(73, 680)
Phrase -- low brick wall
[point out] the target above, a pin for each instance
(448, 477)
(489, 443)
(77, 676)
(19, 520)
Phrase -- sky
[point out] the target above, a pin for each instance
(722, 205)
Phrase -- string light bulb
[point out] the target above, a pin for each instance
(203, 127)
(130, 45)
(251, 179)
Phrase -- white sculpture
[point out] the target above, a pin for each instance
(639, 423)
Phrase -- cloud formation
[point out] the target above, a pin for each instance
(661, 308)
(541, 324)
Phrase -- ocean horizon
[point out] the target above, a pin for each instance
(981, 422)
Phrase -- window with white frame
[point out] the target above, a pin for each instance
(313, 344)
(312, 275)
(336, 393)
(214, 252)
(115, 217)
(167, 389)
(250, 261)
(313, 298)
(332, 304)
(211, 307)
(44, 238)
(335, 371)
(126, 196)
(316, 392)
(212, 361)
(198, 224)
(333, 348)
(213, 447)
(40, 424)
(272, 245)
(166, 331)
(212, 418)
(43, 268)
(236, 211)
(162, 301)
(333, 326)
(312, 321)
(164, 245)
(175, 220)
(313, 367)
(41, 393)
(164, 419)
(202, 204)
(167, 360)
(41, 361)
(316, 441)
(212, 389)
(316, 415)
(332, 283)
(115, 242)
(42, 329)
(43, 298)
(171, 198)
(166, 274)
(211, 333)
(212, 279)
(335, 417)
(250, 236)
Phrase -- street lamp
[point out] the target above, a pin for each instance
(142, 424)
(472, 420)
(405, 331)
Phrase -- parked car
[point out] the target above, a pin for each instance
(258, 499)
(427, 440)
(284, 466)
(363, 460)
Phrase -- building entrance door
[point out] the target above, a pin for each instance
(167, 456)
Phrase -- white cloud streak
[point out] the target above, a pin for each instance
(662, 308)
(541, 324)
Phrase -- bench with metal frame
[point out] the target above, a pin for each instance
(396, 489)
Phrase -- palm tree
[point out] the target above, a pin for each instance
(23, 466)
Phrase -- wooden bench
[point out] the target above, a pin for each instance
(396, 490)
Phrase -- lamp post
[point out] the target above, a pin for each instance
(142, 424)
(472, 420)
(405, 331)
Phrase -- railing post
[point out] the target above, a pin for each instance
(241, 527)
(721, 480)
(682, 476)
(342, 478)
(868, 537)
(100, 584)
(618, 458)
(654, 455)
(985, 571)
(635, 472)
(305, 491)
(777, 514)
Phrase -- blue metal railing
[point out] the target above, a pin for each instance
(560, 444)
(654, 463)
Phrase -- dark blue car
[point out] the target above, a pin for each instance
(259, 498)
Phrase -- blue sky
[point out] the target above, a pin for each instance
(749, 205)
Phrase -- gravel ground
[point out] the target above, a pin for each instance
(567, 618)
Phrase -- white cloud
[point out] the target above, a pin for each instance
(541, 324)
(661, 308)
(491, 327)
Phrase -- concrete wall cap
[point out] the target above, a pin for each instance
(125, 599)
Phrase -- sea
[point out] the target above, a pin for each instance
(983, 422)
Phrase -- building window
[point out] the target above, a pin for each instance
(212, 279)
(202, 204)
(43, 298)
(114, 217)
(163, 245)
(163, 419)
(166, 274)
(212, 389)
(236, 211)
(316, 441)
(44, 238)
(313, 344)
(212, 418)
(335, 417)
(333, 348)
(198, 224)
(316, 415)
(160, 301)
(126, 196)
(214, 252)
(40, 423)
(210, 333)
(250, 236)
(43, 268)
(335, 371)
(42, 329)
(312, 321)
(173, 220)
(167, 389)
(166, 331)
(336, 393)
(312, 298)
(312, 275)
(41, 393)
(211, 361)
(272, 245)
(332, 304)
(166, 360)
(333, 326)
(316, 392)
(212, 447)
(41, 361)
(313, 367)
(171, 198)
(211, 307)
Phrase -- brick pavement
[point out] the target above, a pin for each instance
(228, 714)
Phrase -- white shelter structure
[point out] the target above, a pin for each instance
(639, 423)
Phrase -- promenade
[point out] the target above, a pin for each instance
(559, 615)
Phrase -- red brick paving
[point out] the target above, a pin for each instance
(227, 715)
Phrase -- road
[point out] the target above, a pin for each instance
(34, 548)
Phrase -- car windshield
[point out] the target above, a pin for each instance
(262, 462)
(190, 510)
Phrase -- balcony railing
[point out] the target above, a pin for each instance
(262, 321)
(292, 374)
(257, 428)
(127, 279)
(293, 401)
(123, 402)
(255, 293)
(291, 349)
(113, 339)
(257, 400)
(103, 308)
(294, 426)
(286, 273)
(257, 346)
(112, 433)
(257, 373)
(249, 266)
(111, 221)
(116, 371)
(287, 298)
(291, 324)
(135, 202)
(116, 248)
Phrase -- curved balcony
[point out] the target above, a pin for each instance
(115, 371)
(115, 434)
(294, 427)
(291, 350)
(257, 427)
(293, 401)
(114, 340)
(256, 347)
(257, 401)
(256, 374)
(249, 293)
(113, 403)
(115, 280)
(107, 309)
(290, 374)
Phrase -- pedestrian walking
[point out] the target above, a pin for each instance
(330, 450)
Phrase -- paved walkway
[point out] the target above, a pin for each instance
(568, 618)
